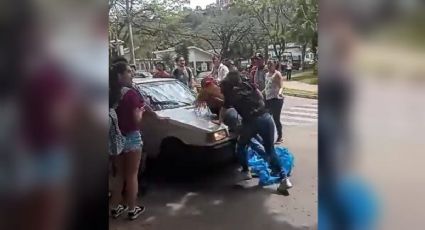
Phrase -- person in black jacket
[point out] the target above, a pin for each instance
(248, 101)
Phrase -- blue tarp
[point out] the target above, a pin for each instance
(261, 168)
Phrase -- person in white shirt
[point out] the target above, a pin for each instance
(288, 70)
(273, 95)
(220, 71)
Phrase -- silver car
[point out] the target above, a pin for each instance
(185, 130)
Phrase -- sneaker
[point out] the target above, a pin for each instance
(285, 184)
(245, 175)
(132, 215)
(120, 209)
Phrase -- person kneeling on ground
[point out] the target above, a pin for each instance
(248, 102)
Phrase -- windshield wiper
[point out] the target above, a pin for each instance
(165, 103)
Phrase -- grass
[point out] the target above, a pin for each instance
(300, 93)
(306, 77)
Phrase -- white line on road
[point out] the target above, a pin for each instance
(308, 106)
(303, 109)
(299, 118)
(288, 123)
(300, 113)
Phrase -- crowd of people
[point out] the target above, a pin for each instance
(248, 102)
(250, 106)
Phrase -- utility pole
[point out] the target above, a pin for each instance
(130, 30)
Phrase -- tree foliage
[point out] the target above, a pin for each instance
(182, 50)
(236, 32)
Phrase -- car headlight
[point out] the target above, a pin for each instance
(218, 136)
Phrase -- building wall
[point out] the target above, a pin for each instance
(196, 58)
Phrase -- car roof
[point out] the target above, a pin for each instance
(150, 80)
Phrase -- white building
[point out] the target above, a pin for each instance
(198, 58)
(291, 50)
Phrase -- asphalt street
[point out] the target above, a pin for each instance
(214, 201)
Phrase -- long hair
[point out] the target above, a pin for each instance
(275, 62)
(178, 58)
(232, 79)
(114, 84)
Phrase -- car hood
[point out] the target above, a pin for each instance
(186, 116)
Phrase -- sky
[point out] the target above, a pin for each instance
(202, 3)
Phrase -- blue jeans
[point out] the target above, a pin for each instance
(233, 120)
(263, 126)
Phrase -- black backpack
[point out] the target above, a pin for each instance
(250, 101)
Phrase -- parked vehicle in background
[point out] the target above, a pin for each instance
(296, 62)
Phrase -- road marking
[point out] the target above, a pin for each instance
(300, 113)
(299, 118)
(288, 123)
(303, 109)
(308, 106)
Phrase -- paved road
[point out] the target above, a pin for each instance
(299, 112)
(212, 201)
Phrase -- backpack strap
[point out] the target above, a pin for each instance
(189, 73)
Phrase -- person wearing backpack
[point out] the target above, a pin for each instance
(130, 107)
(258, 75)
(182, 72)
(249, 103)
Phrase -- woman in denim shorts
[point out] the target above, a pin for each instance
(129, 113)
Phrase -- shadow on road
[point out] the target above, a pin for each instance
(207, 200)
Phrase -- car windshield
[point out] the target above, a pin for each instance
(167, 94)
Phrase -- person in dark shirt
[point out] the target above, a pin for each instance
(182, 72)
(160, 71)
(248, 102)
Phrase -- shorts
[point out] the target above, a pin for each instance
(133, 142)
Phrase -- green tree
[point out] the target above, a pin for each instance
(285, 20)
(182, 50)
(225, 30)
(168, 61)
(153, 22)
(273, 17)
(304, 25)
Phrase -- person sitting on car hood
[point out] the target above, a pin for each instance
(211, 95)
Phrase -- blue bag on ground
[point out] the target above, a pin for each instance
(260, 167)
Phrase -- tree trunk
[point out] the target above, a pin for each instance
(266, 52)
(303, 51)
(130, 30)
